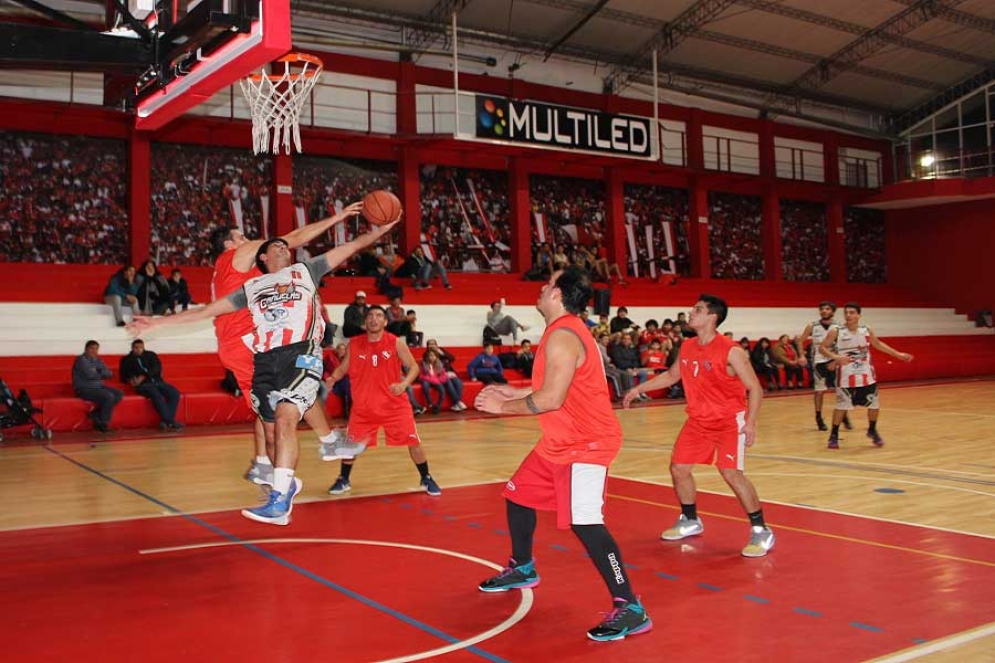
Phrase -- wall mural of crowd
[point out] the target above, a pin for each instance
(196, 189)
(568, 213)
(324, 186)
(465, 218)
(865, 245)
(736, 236)
(656, 226)
(63, 199)
(804, 241)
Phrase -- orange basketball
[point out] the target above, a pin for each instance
(381, 207)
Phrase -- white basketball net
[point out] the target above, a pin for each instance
(276, 102)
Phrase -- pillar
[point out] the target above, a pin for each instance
(615, 207)
(837, 239)
(409, 236)
(772, 234)
(698, 229)
(521, 216)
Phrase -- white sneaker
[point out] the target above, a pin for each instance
(683, 528)
(459, 407)
(340, 447)
(761, 541)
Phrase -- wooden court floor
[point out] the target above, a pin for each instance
(936, 472)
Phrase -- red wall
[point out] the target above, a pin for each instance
(946, 252)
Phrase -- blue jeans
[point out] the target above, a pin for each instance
(427, 271)
(105, 398)
(164, 396)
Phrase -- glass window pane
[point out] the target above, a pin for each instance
(947, 119)
(927, 126)
(976, 158)
(972, 110)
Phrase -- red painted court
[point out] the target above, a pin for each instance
(394, 578)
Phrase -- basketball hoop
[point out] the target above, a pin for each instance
(276, 101)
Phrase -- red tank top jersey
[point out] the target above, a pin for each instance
(584, 429)
(714, 397)
(373, 367)
(229, 329)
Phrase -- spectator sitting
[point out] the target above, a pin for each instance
(598, 257)
(763, 364)
(435, 378)
(385, 287)
(415, 338)
(653, 358)
(785, 356)
(560, 258)
(397, 318)
(585, 316)
(142, 370)
(179, 292)
(621, 321)
(503, 324)
(367, 263)
(486, 367)
(625, 355)
(89, 372)
(544, 260)
(421, 270)
(122, 290)
(354, 317)
(602, 327)
(525, 358)
(619, 379)
(447, 359)
(745, 344)
(153, 290)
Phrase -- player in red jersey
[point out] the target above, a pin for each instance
(234, 265)
(380, 369)
(723, 396)
(567, 470)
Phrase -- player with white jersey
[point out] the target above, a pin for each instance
(287, 367)
(823, 368)
(849, 345)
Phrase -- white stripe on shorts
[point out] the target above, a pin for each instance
(741, 441)
(587, 493)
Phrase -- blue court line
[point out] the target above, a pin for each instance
(756, 599)
(711, 588)
(810, 613)
(556, 546)
(919, 641)
(867, 627)
(666, 576)
(410, 621)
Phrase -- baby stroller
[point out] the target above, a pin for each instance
(20, 412)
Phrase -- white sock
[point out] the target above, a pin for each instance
(328, 439)
(282, 476)
(263, 460)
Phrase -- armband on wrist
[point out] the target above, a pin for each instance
(531, 405)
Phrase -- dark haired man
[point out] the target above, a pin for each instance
(849, 345)
(286, 342)
(142, 369)
(567, 470)
(89, 373)
(380, 369)
(234, 265)
(823, 368)
(723, 396)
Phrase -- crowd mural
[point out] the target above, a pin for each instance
(865, 245)
(736, 236)
(804, 241)
(657, 222)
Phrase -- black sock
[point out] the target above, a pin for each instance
(522, 525)
(346, 470)
(757, 518)
(818, 415)
(605, 554)
(422, 469)
(836, 429)
(872, 426)
(690, 511)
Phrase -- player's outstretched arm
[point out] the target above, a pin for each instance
(663, 380)
(340, 254)
(563, 352)
(739, 361)
(878, 344)
(218, 307)
(310, 232)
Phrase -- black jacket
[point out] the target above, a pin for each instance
(147, 364)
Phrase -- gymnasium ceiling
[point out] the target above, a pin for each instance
(868, 66)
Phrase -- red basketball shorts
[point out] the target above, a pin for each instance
(238, 359)
(724, 447)
(575, 491)
(399, 429)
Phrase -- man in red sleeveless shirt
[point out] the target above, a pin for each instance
(234, 265)
(723, 396)
(380, 369)
(567, 471)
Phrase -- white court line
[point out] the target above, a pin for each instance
(938, 645)
(523, 607)
(876, 478)
(809, 507)
(947, 412)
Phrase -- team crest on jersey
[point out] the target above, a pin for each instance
(386, 354)
(279, 293)
(707, 365)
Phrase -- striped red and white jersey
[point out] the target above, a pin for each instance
(857, 346)
(284, 307)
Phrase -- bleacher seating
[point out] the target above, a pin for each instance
(46, 327)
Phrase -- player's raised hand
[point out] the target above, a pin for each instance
(140, 324)
(630, 396)
(350, 210)
(905, 356)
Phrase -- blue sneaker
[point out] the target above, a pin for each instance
(625, 619)
(515, 576)
(340, 486)
(432, 488)
(277, 509)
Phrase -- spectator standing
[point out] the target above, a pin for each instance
(142, 369)
(122, 290)
(486, 367)
(89, 373)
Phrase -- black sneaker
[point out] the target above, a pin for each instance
(876, 439)
(846, 422)
(821, 424)
(625, 619)
(834, 442)
(514, 576)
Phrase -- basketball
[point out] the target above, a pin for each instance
(381, 207)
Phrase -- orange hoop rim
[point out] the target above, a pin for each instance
(292, 58)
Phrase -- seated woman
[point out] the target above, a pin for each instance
(600, 265)
(763, 364)
(435, 381)
(153, 290)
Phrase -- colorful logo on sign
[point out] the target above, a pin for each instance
(493, 117)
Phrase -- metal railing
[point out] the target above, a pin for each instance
(935, 164)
